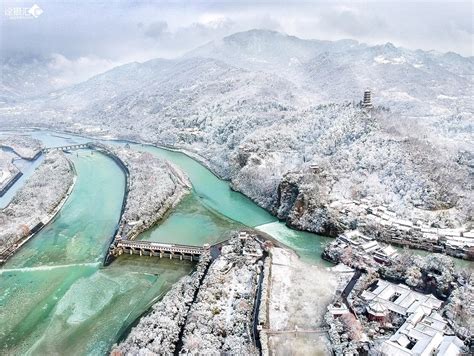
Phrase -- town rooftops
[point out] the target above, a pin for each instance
(420, 335)
(370, 246)
(354, 238)
(469, 234)
(386, 252)
(399, 298)
(338, 309)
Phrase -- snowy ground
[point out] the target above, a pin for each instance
(220, 320)
(299, 295)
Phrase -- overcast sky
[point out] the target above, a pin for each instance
(93, 35)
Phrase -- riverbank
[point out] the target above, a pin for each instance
(12, 148)
(37, 203)
(210, 311)
(23, 146)
(9, 172)
(155, 186)
(160, 329)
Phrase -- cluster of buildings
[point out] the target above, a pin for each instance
(364, 250)
(395, 321)
(367, 246)
(424, 331)
(403, 232)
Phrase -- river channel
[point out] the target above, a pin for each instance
(55, 296)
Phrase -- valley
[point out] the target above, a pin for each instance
(258, 151)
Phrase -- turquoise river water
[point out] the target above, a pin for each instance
(55, 296)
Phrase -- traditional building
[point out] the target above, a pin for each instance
(367, 102)
(376, 311)
(424, 333)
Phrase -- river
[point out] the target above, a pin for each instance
(56, 298)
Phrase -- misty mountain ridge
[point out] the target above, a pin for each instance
(259, 107)
(419, 83)
(415, 83)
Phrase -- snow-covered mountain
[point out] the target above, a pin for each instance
(25, 77)
(416, 83)
(261, 106)
(268, 50)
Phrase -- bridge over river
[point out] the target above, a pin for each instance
(69, 147)
(148, 248)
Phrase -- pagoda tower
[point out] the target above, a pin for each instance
(367, 102)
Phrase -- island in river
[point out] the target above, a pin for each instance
(69, 303)
(39, 200)
(86, 309)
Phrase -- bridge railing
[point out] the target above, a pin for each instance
(147, 245)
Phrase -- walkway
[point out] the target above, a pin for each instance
(318, 330)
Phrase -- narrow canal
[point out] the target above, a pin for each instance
(55, 298)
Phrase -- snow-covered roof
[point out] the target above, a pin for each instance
(406, 301)
(370, 246)
(376, 308)
(450, 346)
(389, 251)
(417, 336)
